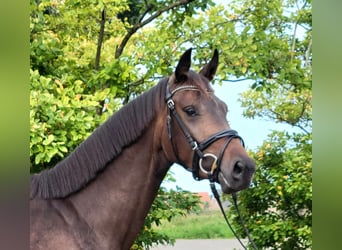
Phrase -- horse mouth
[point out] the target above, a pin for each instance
(230, 186)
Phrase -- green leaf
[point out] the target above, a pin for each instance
(48, 140)
(63, 149)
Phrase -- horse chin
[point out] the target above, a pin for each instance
(225, 185)
(226, 189)
(229, 186)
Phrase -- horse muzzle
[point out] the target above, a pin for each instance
(238, 177)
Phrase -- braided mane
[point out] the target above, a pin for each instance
(100, 148)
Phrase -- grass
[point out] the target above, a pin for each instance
(205, 225)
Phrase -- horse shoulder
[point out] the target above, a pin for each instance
(53, 225)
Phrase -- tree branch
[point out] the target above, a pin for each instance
(100, 40)
(98, 51)
(307, 54)
(148, 8)
(128, 87)
(236, 80)
(139, 24)
(302, 128)
(280, 118)
(293, 47)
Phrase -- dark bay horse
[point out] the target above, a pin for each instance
(98, 196)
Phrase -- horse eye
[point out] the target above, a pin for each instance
(190, 111)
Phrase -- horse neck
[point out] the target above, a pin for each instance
(117, 201)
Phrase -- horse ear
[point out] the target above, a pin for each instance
(209, 69)
(183, 66)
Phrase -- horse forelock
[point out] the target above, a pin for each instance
(100, 148)
(195, 79)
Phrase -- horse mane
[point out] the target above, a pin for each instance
(100, 148)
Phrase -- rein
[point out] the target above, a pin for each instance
(199, 155)
(234, 196)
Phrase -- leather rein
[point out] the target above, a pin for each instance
(199, 155)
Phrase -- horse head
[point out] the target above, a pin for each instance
(199, 136)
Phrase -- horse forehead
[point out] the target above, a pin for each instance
(200, 81)
(205, 96)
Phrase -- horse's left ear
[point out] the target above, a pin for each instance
(209, 69)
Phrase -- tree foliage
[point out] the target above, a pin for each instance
(269, 42)
(88, 58)
(64, 38)
(278, 206)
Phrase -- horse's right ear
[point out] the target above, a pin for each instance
(209, 69)
(183, 66)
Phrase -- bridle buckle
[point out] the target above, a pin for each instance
(194, 145)
(170, 104)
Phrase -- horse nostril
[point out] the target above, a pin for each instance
(238, 169)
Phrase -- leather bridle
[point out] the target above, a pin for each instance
(197, 147)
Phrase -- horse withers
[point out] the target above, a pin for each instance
(98, 196)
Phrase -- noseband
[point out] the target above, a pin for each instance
(198, 147)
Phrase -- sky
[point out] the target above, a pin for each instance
(253, 131)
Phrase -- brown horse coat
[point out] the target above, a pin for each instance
(98, 196)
